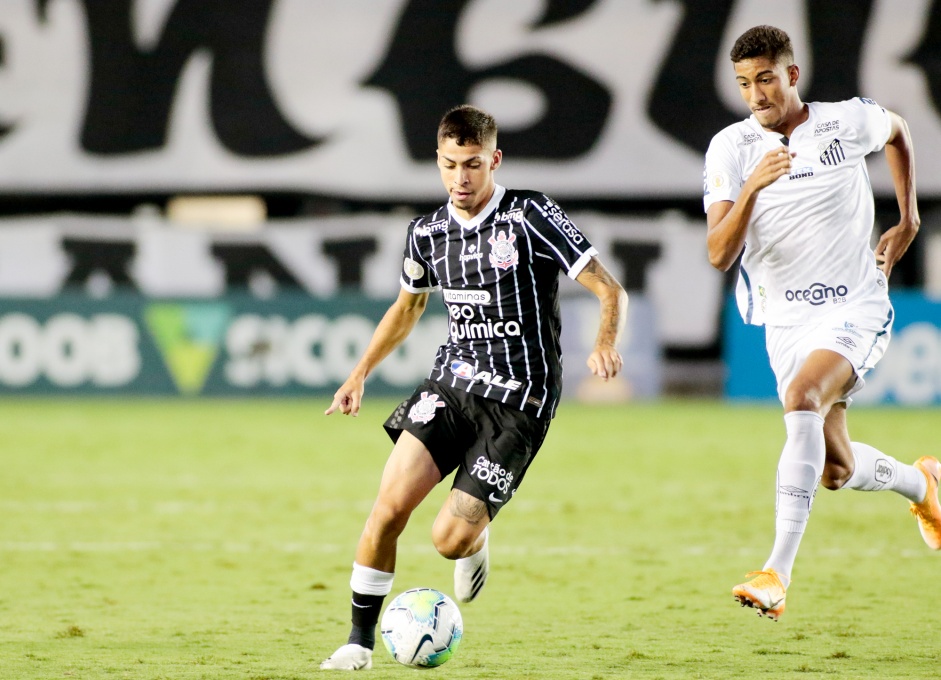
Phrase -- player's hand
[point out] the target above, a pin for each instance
(605, 362)
(774, 165)
(893, 245)
(348, 398)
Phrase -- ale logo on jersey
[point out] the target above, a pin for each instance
(503, 254)
(462, 369)
(188, 337)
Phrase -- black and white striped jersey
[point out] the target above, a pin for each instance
(499, 279)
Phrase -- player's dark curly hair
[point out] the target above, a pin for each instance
(468, 125)
(763, 41)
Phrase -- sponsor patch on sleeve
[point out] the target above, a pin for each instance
(412, 269)
(718, 179)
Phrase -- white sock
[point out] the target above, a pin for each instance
(799, 471)
(875, 471)
(477, 556)
(369, 581)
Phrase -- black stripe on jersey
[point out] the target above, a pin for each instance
(568, 264)
(558, 227)
(527, 227)
(482, 311)
(474, 353)
(519, 314)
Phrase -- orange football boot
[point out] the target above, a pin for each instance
(928, 511)
(764, 592)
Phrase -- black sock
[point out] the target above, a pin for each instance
(366, 610)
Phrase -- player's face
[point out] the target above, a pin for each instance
(467, 173)
(769, 89)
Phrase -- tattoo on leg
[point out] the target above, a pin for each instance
(467, 507)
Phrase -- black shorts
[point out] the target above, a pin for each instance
(489, 444)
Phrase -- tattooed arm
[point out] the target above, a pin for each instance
(605, 360)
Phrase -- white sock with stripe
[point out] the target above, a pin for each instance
(799, 471)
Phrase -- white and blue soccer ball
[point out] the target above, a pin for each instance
(422, 628)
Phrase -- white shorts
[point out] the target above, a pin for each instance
(859, 331)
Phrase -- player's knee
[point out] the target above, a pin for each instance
(387, 519)
(452, 545)
(835, 475)
(800, 397)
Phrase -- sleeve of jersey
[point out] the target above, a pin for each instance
(872, 123)
(555, 236)
(417, 275)
(722, 179)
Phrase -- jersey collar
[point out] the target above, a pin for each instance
(492, 204)
(774, 137)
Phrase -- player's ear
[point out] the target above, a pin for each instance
(497, 159)
(793, 73)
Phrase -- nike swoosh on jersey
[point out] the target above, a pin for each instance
(494, 499)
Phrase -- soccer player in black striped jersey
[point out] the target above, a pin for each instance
(484, 410)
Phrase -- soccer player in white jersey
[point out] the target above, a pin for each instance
(789, 185)
(496, 253)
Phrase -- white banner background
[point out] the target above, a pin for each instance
(318, 55)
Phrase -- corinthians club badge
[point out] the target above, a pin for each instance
(423, 410)
(503, 253)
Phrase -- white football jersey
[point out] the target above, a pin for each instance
(807, 246)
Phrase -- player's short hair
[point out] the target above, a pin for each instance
(763, 41)
(468, 125)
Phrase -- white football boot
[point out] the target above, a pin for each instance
(470, 573)
(349, 658)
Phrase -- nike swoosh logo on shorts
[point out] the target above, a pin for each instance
(494, 499)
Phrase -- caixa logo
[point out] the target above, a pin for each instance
(817, 294)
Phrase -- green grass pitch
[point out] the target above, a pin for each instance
(213, 539)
